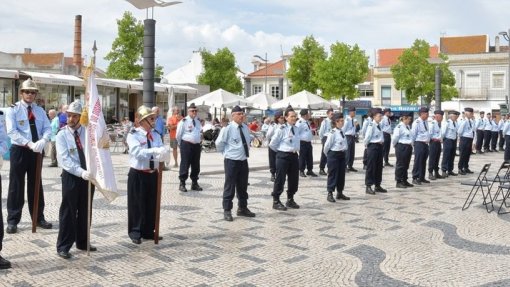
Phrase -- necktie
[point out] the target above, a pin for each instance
(292, 130)
(151, 160)
(243, 139)
(81, 155)
(342, 133)
(31, 121)
(425, 125)
(194, 124)
(454, 124)
(308, 124)
(378, 127)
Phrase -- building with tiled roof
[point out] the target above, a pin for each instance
(270, 79)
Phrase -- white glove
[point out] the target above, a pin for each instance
(85, 175)
(39, 145)
(31, 145)
(156, 151)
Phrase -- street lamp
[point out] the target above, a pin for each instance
(265, 60)
(149, 40)
(506, 35)
(437, 80)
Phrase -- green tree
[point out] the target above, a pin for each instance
(301, 65)
(345, 67)
(220, 71)
(416, 76)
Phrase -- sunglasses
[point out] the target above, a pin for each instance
(30, 92)
(151, 119)
(193, 111)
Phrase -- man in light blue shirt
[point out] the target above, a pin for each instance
(436, 139)
(421, 140)
(479, 127)
(349, 129)
(323, 132)
(501, 124)
(374, 140)
(233, 142)
(466, 134)
(306, 152)
(450, 135)
(487, 133)
(387, 130)
(403, 143)
(363, 132)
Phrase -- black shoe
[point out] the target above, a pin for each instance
(408, 184)
(11, 229)
(452, 173)
(136, 241)
(196, 187)
(273, 178)
(91, 249)
(432, 176)
(330, 197)
(4, 263)
(424, 180)
(245, 212)
(165, 168)
(467, 170)
(353, 169)
(311, 173)
(444, 174)
(44, 224)
(401, 185)
(182, 187)
(53, 165)
(64, 254)
(322, 172)
(342, 196)
(227, 215)
(438, 176)
(378, 188)
(388, 164)
(302, 174)
(462, 172)
(278, 205)
(369, 190)
(291, 204)
(416, 181)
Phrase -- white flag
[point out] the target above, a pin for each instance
(99, 160)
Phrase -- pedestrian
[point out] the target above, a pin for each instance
(387, 131)
(501, 124)
(450, 136)
(506, 133)
(54, 123)
(364, 127)
(324, 130)
(402, 142)
(349, 129)
(374, 141)
(188, 139)
(286, 144)
(29, 130)
(436, 139)
(171, 124)
(305, 135)
(127, 125)
(73, 214)
(336, 149)
(234, 143)
(421, 139)
(487, 133)
(479, 127)
(494, 134)
(466, 134)
(4, 263)
(146, 151)
(62, 116)
(279, 120)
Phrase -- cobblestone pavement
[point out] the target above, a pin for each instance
(418, 236)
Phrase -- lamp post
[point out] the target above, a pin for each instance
(506, 35)
(265, 80)
(437, 80)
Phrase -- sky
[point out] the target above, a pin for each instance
(248, 28)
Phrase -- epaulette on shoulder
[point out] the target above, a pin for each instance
(417, 121)
(13, 105)
(282, 127)
(61, 129)
(133, 130)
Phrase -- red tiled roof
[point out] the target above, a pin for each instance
(273, 70)
(42, 59)
(464, 44)
(389, 57)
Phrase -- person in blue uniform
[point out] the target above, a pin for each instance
(73, 214)
(402, 142)
(349, 130)
(29, 129)
(146, 151)
(501, 124)
(506, 133)
(387, 131)
(450, 136)
(335, 147)
(466, 133)
(234, 143)
(487, 130)
(279, 120)
(305, 151)
(4, 263)
(436, 139)
(479, 127)
(374, 141)
(494, 134)
(363, 132)
(286, 144)
(188, 138)
(421, 139)
(324, 129)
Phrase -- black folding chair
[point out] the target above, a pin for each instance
(480, 183)
(502, 178)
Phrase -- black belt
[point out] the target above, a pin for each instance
(288, 152)
(349, 135)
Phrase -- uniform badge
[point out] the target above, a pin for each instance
(72, 150)
(21, 123)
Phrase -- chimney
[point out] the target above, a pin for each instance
(28, 50)
(77, 61)
(496, 43)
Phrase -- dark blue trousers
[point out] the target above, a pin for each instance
(272, 160)
(465, 148)
(421, 153)
(435, 154)
(1, 217)
(507, 148)
(479, 140)
(305, 156)
(286, 168)
(351, 149)
(336, 171)
(494, 140)
(373, 174)
(386, 146)
(324, 158)
(190, 156)
(403, 152)
(449, 149)
(236, 178)
(501, 139)
(487, 135)
(141, 202)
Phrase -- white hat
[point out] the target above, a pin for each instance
(75, 107)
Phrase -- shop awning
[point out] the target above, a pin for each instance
(114, 83)
(9, 74)
(54, 79)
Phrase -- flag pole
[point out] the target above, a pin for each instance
(158, 202)
(89, 215)
(35, 210)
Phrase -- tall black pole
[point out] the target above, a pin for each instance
(149, 41)
(438, 88)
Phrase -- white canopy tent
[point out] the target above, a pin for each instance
(220, 99)
(261, 101)
(304, 100)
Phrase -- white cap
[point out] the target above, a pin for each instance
(75, 107)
